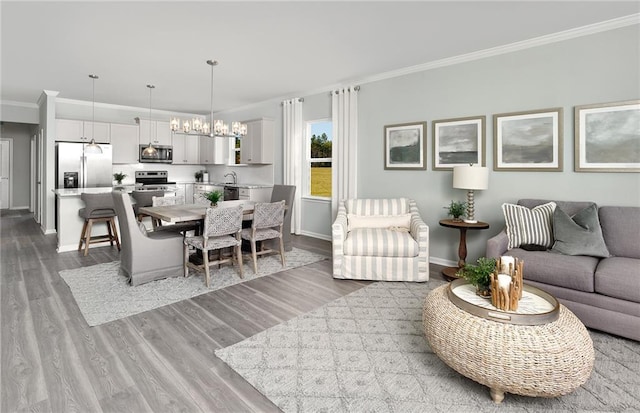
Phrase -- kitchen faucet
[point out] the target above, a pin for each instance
(233, 175)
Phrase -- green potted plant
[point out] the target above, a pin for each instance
(214, 197)
(456, 209)
(119, 176)
(198, 176)
(479, 275)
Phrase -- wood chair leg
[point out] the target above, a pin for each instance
(83, 235)
(112, 221)
(185, 260)
(254, 255)
(238, 251)
(282, 251)
(87, 239)
(205, 262)
(109, 232)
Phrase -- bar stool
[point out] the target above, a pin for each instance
(98, 208)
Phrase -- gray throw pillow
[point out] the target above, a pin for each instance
(580, 234)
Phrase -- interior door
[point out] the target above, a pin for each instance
(5, 171)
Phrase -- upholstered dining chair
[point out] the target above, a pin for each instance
(268, 220)
(221, 230)
(144, 199)
(145, 256)
(98, 208)
(183, 226)
(286, 193)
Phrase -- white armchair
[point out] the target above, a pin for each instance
(380, 239)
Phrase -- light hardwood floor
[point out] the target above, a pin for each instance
(158, 361)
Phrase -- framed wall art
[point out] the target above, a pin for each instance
(607, 137)
(457, 142)
(528, 141)
(404, 146)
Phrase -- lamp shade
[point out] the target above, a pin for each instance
(470, 177)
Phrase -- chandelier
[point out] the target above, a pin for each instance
(213, 128)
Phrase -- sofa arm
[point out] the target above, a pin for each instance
(498, 245)
(339, 230)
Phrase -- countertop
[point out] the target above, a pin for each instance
(239, 185)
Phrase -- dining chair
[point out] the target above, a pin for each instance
(98, 208)
(286, 193)
(146, 256)
(182, 226)
(144, 199)
(222, 227)
(268, 220)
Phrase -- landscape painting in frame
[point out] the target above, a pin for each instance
(404, 146)
(528, 141)
(607, 137)
(458, 142)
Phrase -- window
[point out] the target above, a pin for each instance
(319, 134)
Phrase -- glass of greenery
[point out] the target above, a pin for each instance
(198, 176)
(456, 209)
(214, 197)
(479, 275)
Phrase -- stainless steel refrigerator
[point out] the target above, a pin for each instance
(76, 168)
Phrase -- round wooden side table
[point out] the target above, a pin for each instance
(450, 272)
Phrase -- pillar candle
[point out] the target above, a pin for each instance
(504, 280)
(505, 260)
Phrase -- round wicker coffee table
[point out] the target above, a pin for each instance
(545, 360)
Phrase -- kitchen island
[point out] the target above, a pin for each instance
(69, 223)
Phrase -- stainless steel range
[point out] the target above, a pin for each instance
(154, 181)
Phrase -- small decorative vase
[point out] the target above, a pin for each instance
(457, 219)
(214, 204)
(483, 290)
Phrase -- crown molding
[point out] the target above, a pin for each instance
(19, 104)
(122, 107)
(607, 25)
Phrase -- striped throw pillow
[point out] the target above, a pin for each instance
(529, 226)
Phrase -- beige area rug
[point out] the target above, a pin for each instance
(366, 352)
(103, 294)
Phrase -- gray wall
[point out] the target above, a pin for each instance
(20, 133)
(597, 68)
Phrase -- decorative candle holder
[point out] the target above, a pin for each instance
(507, 283)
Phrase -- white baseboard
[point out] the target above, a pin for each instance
(316, 235)
(442, 261)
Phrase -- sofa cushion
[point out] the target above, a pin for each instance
(529, 226)
(619, 277)
(394, 206)
(621, 230)
(380, 242)
(378, 221)
(579, 234)
(575, 272)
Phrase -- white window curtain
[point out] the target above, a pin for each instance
(293, 156)
(344, 114)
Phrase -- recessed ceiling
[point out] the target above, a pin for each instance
(266, 50)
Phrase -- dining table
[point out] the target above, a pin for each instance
(192, 212)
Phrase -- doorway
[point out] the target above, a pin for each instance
(5, 172)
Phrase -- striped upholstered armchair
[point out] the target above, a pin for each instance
(380, 239)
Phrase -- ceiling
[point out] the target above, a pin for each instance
(266, 50)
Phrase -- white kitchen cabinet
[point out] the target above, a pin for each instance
(255, 194)
(124, 139)
(212, 150)
(186, 149)
(188, 193)
(71, 130)
(257, 146)
(181, 191)
(160, 132)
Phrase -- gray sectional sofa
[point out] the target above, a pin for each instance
(603, 292)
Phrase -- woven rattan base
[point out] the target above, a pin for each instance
(546, 360)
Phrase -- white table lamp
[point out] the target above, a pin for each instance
(470, 178)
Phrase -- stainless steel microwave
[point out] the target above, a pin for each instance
(164, 154)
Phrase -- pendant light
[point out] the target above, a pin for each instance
(150, 151)
(93, 147)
